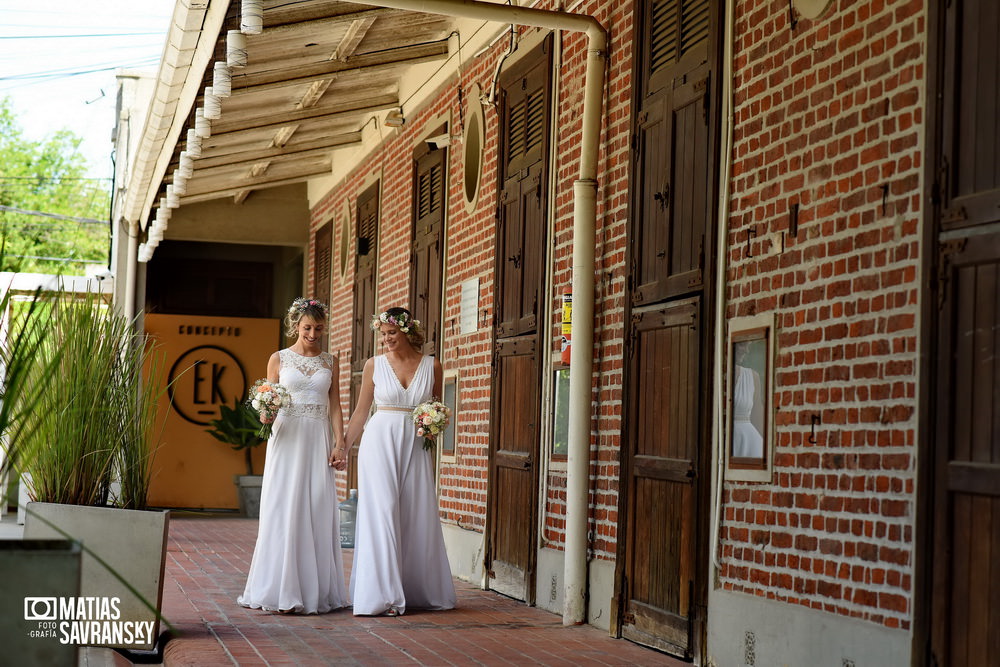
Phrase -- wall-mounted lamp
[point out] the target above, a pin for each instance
(439, 141)
(395, 118)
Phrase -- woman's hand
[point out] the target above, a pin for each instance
(338, 458)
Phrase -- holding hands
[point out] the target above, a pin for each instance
(338, 457)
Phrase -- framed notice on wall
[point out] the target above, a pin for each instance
(749, 399)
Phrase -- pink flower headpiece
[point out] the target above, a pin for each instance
(403, 321)
(303, 304)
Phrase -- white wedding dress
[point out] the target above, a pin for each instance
(748, 442)
(297, 564)
(399, 555)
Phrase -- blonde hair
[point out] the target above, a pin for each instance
(314, 308)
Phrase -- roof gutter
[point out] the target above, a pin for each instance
(189, 47)
(584, 223)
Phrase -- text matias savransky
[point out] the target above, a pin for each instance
(85, 620)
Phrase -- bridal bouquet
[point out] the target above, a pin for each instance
(431, 418)
(266, 398)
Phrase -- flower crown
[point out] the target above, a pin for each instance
(303, 304)
(403, 321)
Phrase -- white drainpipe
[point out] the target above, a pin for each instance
(584, 221)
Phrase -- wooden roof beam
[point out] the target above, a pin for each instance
(355, 33)
(368, 63)
(257, 185)
(278, 121)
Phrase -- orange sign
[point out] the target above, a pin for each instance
(210, 361)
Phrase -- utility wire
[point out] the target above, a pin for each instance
(60, 259)
(110, 34)
(57, 216)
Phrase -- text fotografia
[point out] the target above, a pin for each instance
(84, 620)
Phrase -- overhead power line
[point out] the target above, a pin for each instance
(110, 34)
(57, 216)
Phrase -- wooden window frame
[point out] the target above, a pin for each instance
(742, 333)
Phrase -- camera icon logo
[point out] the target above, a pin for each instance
(40, 609)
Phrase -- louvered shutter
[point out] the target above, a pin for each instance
(428, 240)
(363, 339)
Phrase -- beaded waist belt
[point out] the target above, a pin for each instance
(396, 408)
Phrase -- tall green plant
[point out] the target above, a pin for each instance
(94, 418)
(24, 374)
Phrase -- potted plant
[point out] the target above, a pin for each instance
(238, 427)
(88, 445)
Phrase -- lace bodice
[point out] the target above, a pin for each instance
(308, 381)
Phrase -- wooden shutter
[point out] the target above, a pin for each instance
(671, 195)
(429, 193)
(522, 224)
(677, 33)
(970, 169)
(363, 340)
(323, 268)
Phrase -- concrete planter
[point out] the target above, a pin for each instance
(249, 490)
(132, 542)
(44, 570)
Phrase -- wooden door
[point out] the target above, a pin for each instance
(965, 546)
(427, 258)
(520, 263)
(663, 469)
(661, 584)
(362, 334)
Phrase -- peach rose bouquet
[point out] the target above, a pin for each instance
(431, 419)
(266, 398)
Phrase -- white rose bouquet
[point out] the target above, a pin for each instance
(266, 398)
(431, 419)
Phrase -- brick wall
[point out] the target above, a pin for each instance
(470, 248)
(829, 115)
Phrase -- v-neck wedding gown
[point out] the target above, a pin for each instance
(297, 564)
(399, 555)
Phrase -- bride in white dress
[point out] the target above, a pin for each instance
(297, 565)
(399, 554)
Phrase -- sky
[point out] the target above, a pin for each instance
(58, 60)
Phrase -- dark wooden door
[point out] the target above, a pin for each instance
(519, 278)
(661, 584)
(664, 470)
(965, 549)
(427, 259)
(362, 334)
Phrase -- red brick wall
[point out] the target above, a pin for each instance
(829, 115)
(470, 251)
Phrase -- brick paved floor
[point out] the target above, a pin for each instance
(206, 569)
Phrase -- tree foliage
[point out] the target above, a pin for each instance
(49, 176)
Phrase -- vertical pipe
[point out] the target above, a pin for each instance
(584, 223)
(131, 267)
(582, 334)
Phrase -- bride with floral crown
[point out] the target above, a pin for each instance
(400, 560)
(297, 565)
